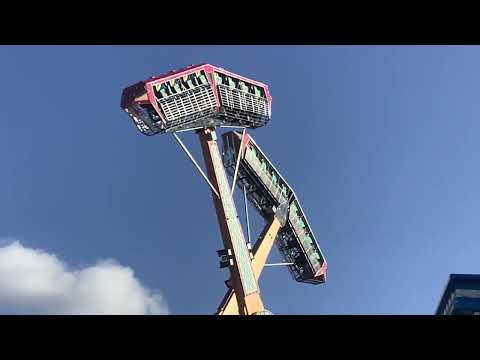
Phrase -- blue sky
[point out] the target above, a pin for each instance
(379, 142)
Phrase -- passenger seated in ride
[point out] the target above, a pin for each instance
(185, 83)
(231, 83)
(274, 179)
(202, 79)
(171, 87)
(263, 166)
(178, 86)
(242, 86)
(192, 79)
(164, 91)
(220, 79)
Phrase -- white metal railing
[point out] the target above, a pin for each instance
(240, 100)
(188, 103)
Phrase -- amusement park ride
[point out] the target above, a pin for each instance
(202, 98)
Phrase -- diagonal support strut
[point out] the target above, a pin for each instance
(182, 145)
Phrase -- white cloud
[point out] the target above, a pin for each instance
(35, 282)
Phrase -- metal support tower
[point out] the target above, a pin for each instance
(261, 250)
(242, 277)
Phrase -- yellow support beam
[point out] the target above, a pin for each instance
(229, 305)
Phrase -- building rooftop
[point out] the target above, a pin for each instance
(458, 281)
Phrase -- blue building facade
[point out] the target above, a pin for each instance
(461, 296)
